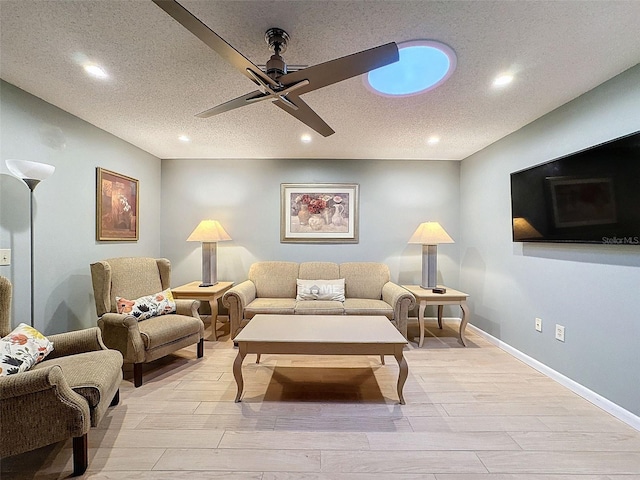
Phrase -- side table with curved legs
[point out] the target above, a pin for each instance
(425, 297)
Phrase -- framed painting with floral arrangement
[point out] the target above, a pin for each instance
(319, 213)
(116, 206)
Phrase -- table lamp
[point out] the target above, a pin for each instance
(429, 235)
(31, 173)
(209, 232)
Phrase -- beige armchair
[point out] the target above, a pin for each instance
(147, 340)
(60, 397)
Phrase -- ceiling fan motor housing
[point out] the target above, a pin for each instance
(277, 40)
(276, 67)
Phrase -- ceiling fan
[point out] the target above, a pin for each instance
(275, 83)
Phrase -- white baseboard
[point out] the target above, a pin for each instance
(589, 395)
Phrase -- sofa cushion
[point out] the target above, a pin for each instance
(367, 306)
(90, 374)
(22, 349)
(274, 279)
(364, 279)
(275, 306)
(320, 290)
(161, 303)
(158, 331)
(319, 307)
(319, 270)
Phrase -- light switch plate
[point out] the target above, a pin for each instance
(5, 256)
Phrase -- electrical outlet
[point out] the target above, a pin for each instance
(5, 256)
(560, 332)
(539, 324)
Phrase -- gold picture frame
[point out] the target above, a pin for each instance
(319, 212)
(117, 206)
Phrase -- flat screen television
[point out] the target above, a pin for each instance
(591, 196)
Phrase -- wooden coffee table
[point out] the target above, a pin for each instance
(320, 335)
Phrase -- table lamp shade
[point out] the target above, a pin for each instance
(209, 232)
(429, 235)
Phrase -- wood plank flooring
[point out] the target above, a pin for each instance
(472, 413)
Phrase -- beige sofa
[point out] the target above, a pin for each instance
(271, 288)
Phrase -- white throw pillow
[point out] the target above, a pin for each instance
(320, 289)
(22, 349)
(160, 303)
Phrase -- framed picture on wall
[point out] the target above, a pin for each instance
(116, 206)
(319, 212)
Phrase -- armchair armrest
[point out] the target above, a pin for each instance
(187, 307)
(236, 300)
(79, 341)
(37, 408)
(120, 332)
(402, 301)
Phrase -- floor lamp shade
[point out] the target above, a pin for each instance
(31, 173)
(429, 235)
(209, 233)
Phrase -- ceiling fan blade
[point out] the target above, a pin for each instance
(242, 101)
(334, 71)
(305, 114)
(213, 40)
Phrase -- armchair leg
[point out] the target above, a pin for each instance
(137, 374)
(116, 399)
(80, 455)
(201, 348)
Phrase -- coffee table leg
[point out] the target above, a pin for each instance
(237, 369)
(440, 307)
(402, 375)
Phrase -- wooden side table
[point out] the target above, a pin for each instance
(193, 291)
(425, 297)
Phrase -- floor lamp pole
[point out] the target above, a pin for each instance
(31, 251)
(30, 173)
(31, 183)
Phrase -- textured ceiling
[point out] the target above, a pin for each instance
(161, 75)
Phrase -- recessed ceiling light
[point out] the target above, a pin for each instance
(184, 138)
(423, 66)
(433, 140)
(95, 71)
(502, 80)
(305, 138)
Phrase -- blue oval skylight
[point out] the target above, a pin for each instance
(423, 65)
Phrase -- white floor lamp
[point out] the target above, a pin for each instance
(31, 173)
(429, 235)
(209, 232)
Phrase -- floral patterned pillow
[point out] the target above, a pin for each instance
(146, 307)
(22, 349)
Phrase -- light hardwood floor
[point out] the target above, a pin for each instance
(471, 413)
